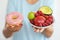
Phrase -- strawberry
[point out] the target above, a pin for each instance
(39, 19)
(40, 25)
(36, 14)
(32, 21)
(40, 13)
(36, 24)
(50, 19)
(48, 22)
(43, 25)
(46, 16)
(50, 16)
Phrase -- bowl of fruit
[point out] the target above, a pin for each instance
(43, 18)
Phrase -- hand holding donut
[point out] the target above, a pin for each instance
(14, 28)
(13, 23)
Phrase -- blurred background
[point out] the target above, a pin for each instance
(3, 12)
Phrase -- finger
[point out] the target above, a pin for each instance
(17, 28)
(6, 26)
(21, 25)
(42, 29)
(36, 30)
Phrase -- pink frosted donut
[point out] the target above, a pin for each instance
(14, 18)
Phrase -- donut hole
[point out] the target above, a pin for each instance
(14, 17)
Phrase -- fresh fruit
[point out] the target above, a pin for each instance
(36, 14)
(43, 25)
(39, 19)
(42, 17)
(42, 21)
(36, 24)
(40, 25)
(46, 16)
(50, 19)
(32, 21)
(51, 16)
(46, 10)
(31, 15)
(48, 22)
(40, 13)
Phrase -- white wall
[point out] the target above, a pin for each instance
(55, 36)
(3, 6)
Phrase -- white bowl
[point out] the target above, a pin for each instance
(40, 27)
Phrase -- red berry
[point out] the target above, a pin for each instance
(50, 16)
(32, 21)
(36, 24)
(46, 16)
(50, 19)
(36, 14)
(39, 19)
(40, 25)
(43, 25)
(40, 13)
(48, 22)
(52, 22)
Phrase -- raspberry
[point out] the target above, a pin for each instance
(40, 25)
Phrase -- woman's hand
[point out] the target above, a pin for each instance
(9, 30)
(47, 32)
(38, 29)
(14, 28)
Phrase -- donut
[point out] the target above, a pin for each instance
(14, 18)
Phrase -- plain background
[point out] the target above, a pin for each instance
(3, 11)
